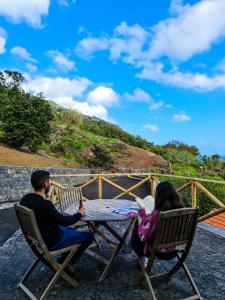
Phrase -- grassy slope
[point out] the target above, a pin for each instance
(13, 157)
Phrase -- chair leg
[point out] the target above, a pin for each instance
(21, 284)
(178, 265)
(147, 279)
(97, 243)
(63, 274)
(147, 268)
(29, 271)
(60, 273)
(191, 280)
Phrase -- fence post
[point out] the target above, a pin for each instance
(193, 194)
(153, 186)
(99, 187)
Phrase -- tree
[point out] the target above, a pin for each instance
(100, 158)
(24, 118)
(71, 117)
(183, 157)
(213, 163)
(182, 147)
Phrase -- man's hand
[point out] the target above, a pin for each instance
(82, 211)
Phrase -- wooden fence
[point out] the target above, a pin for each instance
(192, 184)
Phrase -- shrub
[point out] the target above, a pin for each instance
(25, 118)
(100, 158)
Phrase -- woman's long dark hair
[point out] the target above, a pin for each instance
(167, 197)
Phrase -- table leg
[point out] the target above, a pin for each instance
(112, 231)
(106, 271)
(105, 238)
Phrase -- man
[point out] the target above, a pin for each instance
(52, 224)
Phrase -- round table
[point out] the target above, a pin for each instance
(103, 210)
(98, 213)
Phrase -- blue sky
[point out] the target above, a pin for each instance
(155, 68)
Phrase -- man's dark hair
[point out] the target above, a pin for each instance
(38, 178)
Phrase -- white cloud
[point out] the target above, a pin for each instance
(188, 80)
(138, 95)
(61, 61)
(22, 53)
(151, 127)
(169, 106)
(31, 67)
(102, 96)
(193, 31)
(66, 2)
(58, 87)
(30, 11)
(98, 111)
(126, 43)
(181, 117)
(3, 36)
(156, 105)
(88, 46)
(220, 67)
(81, 29)
(66, 91)
(176, 7)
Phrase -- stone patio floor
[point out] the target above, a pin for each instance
(206, 263)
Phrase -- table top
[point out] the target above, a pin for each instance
(103, 210)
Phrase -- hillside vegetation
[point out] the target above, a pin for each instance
(38, 125)
(55, 136)
(77, 140)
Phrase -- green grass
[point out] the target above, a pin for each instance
(185, 170)
(69, 141)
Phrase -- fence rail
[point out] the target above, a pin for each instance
(193, 184)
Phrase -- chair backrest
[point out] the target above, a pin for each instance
(69, 196)
(175, 227)
(29, 227)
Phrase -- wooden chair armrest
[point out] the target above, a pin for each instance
(60, 251)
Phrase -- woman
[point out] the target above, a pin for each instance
(144, 231)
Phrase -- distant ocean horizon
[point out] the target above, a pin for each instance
(223, 157)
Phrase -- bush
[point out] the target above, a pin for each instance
(25, 118)
(100, 158)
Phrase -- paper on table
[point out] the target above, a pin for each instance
(127, 211)
(148, 203)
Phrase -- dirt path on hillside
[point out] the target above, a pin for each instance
(137, 158)
(13, 157)
(131, 158)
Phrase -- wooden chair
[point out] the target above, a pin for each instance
(69, 196)
(34, 239)
(175, 228)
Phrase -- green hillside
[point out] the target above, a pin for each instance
(31, 121)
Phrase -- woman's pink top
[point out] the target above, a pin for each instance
(147, 230)
(147, 227)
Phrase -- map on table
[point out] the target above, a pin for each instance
(131, 212)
